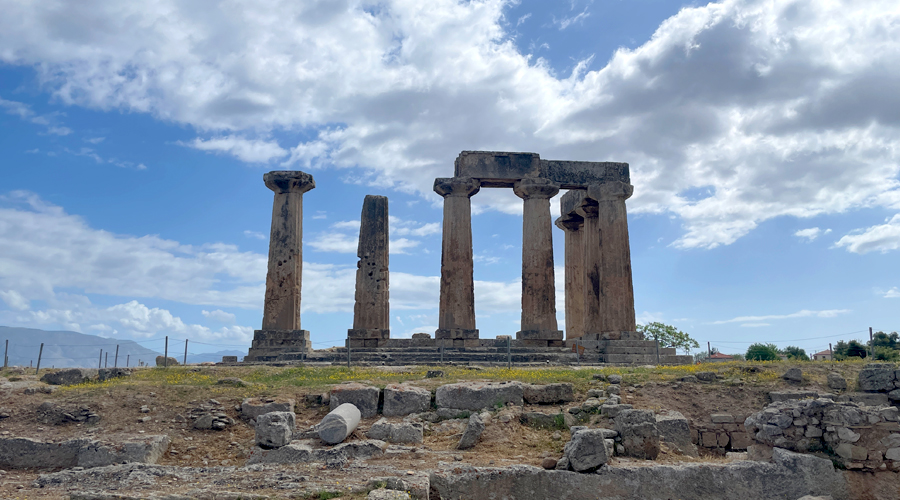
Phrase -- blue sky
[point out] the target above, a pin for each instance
(762, 137)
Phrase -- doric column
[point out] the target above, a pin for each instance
(371, 312)
(616, 290)
(591, 271)
(456, 317)
(282, 306)
(538, 287)
(573, 226)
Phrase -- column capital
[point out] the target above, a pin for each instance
(588, 209)
(608, 191)
(456, 186)
(535, 188)
(289, 181)
(571, 222)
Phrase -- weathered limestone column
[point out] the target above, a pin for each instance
(281, 333)
(616, 294)
(282, 306)
(538, 287)
(456, 319)
(591, 281)
(573, 226)
(371, 313)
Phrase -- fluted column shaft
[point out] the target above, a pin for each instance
(538, 286)
(283, 279)
(614, 285)
(573, 226)
(456, 317)
(591, 278)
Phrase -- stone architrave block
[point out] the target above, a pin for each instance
(877, 377)
(70, 376)
(275, 429)
(473, 431)
(403, 399)
(548, 394)
(364, 397)
(25, 453)
(639, 433)
(251, 408)
(675, 431)
(479, 395)
(586, 451)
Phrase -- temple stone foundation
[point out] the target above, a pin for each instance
(599, 294)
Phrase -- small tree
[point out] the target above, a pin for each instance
(669, 336)
(795, 353)
(891, 341)
(844, 350)
(886, 354)
(762, 352)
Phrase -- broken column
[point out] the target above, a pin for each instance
(538, 325)
(608, 261)
(573, 226)
(456, 319)
(281, 332)
(371, 313)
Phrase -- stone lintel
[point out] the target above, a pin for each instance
(539, 335)
(455, 333)
(570, 201)
(502, 169)
(368, 333)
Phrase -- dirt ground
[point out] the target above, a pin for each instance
(207, 460)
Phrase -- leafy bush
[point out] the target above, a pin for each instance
(762, 352)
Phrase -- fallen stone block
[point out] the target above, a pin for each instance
(403, 399)
(639, 433)
(251, 408)
(586, 451)
(111, 373)
(24, 453)
(385, 494)
(865, 398)
(404, 432)
(300, 452)
(164, 361)
(836, 382)
(339, 424)
(777, 396)
(473, 431)
(144, 450)
(363, 397)
(479, 395)
(540, 420)
(548, 394)
(70, 376)
(275, 429)
(675, 431)
(793, 376)
(877, 377)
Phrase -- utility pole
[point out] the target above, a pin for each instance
(871, 345)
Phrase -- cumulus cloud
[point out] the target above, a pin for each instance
(893, 293)
(219, 315)
(882, 238)
(247, 150)
(343, 236)
(811, 233)
(778, 107)
(805, 313)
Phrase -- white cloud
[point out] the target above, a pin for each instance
(95, 140)
(246, 150)
(829, 313)
(754, 325)
(15, 300)
(778, 107)
(219, 316)
(334, 242)
(24, 112)
(341, 242)
(893, 293)
(569, 21)
(811, 233)
(882, 238)
(254, 234)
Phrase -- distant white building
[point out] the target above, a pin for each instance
(822, 356)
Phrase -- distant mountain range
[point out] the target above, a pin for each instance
(70, 349)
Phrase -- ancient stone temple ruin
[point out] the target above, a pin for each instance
(599, 295)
